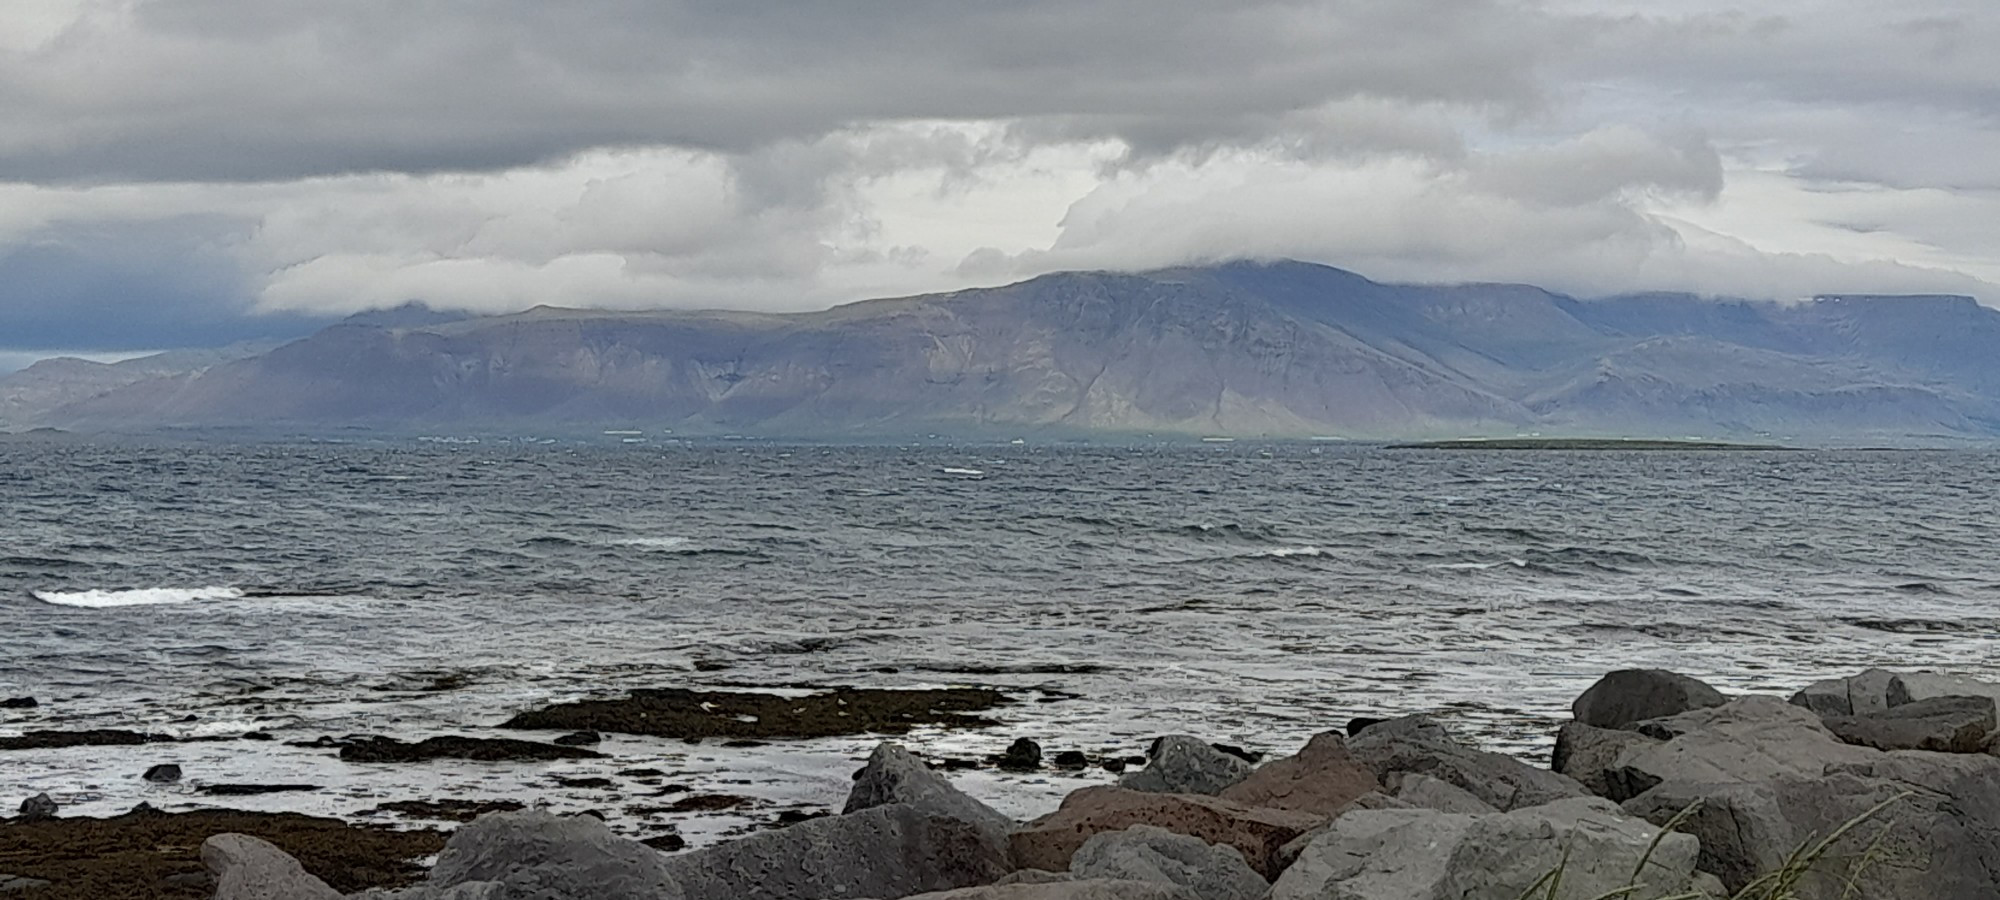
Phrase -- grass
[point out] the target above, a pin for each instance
(1781, 883)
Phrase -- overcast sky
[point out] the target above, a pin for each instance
(188, 172)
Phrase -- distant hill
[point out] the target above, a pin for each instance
(1281, 349)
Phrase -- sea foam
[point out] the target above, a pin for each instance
(139, 597)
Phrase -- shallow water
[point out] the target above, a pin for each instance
(1252, 594)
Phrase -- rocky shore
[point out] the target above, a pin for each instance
(1880, 786)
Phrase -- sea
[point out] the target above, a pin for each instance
(1249, 593)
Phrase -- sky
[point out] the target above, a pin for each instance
(195, 172)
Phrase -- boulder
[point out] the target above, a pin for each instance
(1590, 755)
(1425, 854)
(895, 775)
(885, 851)
(579, 739)
(19, 703)
(1912, 687)
(1289, 853)
(1051, 841)
(1425, 792)
(246, 868)
(1068, 890)
(1856, 695)
(1146, 853)
(12, 883)
(38, 808)
(1941, 724)
(1033, 876)
(1753, 739)
(1320, 779)
(1187, 765)
(1024, 755)
(536, 854)
(166, 773)
(1635, 695)
(471, 890)
(1418, 745)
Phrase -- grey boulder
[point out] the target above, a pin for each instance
(1751, 739)
(1417, 745)
(1591, 756)
(1067, 890)
(1426, 855)
(884, 851)
(894, 775)
(1187, 765)
(1942, 724)
(1913, 687)
(1855, 695)
(1425, 792)
(1635, 695)
(1146, 853)
(534, 854)
(246, 868)
(39, 808)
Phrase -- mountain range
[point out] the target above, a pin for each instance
(1240, 349)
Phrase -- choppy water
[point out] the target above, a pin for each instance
(1253, 594)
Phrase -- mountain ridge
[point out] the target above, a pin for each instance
(1244, 348)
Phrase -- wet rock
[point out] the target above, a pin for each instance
(885, 851)
(1146, 853)
(1052, 840)
(1068, 890)
(1187, 765)
(1113, 765)
(536, 854)
(678, 713)
(14, 883)
(1359, 724)
(893, 775)
(1320, 779)
(586, 783)
(1425, 854)
(1024, 755)
(1635, 695)
(579, 739)
(1941, 724)
(709, 803)
(1856, 695)
(641, 773)
(19, 703)
(246, 868)
(669, 842)
(258, 736)
(390, 750)
(38, 808)
(1071, 760)
(57, 740)
(1418, 745)
(447, 810)
(1250, 756)
(1425, 792)
(252, 790)
(1590, 755)
(790, 817)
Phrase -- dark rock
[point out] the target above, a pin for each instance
(678, 713)
(885, 851)
(1941, 724)
(579, 739)
(258, 736)
(390, 750)
(668, 842)
(19, 703)
(1052, 840)
(1857, 695)
(246, 868)
(535, 854)
(252, 790)
(709, 803)
(1249, 756)
(56, 740)
(1071, 760)
(1023, 755)
(1359, 724)
(895, 776)
(597, 814)
(38, 808)
(586, 783)
(642, 773)
(1146, 853)
(1187, 765)
(165, 773)
(1321, 779)
(1635, 695)
(448, 810)
(790, 817)
(1419, 745)
(1113, 765)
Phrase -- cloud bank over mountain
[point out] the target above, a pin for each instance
(229, 169)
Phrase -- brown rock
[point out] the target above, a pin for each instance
(1049, 842)
(1320, 780)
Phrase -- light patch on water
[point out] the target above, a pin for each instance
(100, 599)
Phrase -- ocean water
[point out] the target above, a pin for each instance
(1252, 594)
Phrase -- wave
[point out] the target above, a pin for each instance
(658, 544)
(140, 597)
(958, 470)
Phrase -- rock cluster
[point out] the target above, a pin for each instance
(1890, 784)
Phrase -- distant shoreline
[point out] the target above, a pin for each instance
(1583, 444)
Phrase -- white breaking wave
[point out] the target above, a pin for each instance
(1286, 552)
(954, 470)
(661, 544)
(140, 597)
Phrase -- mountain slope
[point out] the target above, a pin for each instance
(1243, 348)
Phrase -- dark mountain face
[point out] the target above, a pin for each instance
(1280, 349)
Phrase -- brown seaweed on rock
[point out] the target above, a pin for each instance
(680, 713)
